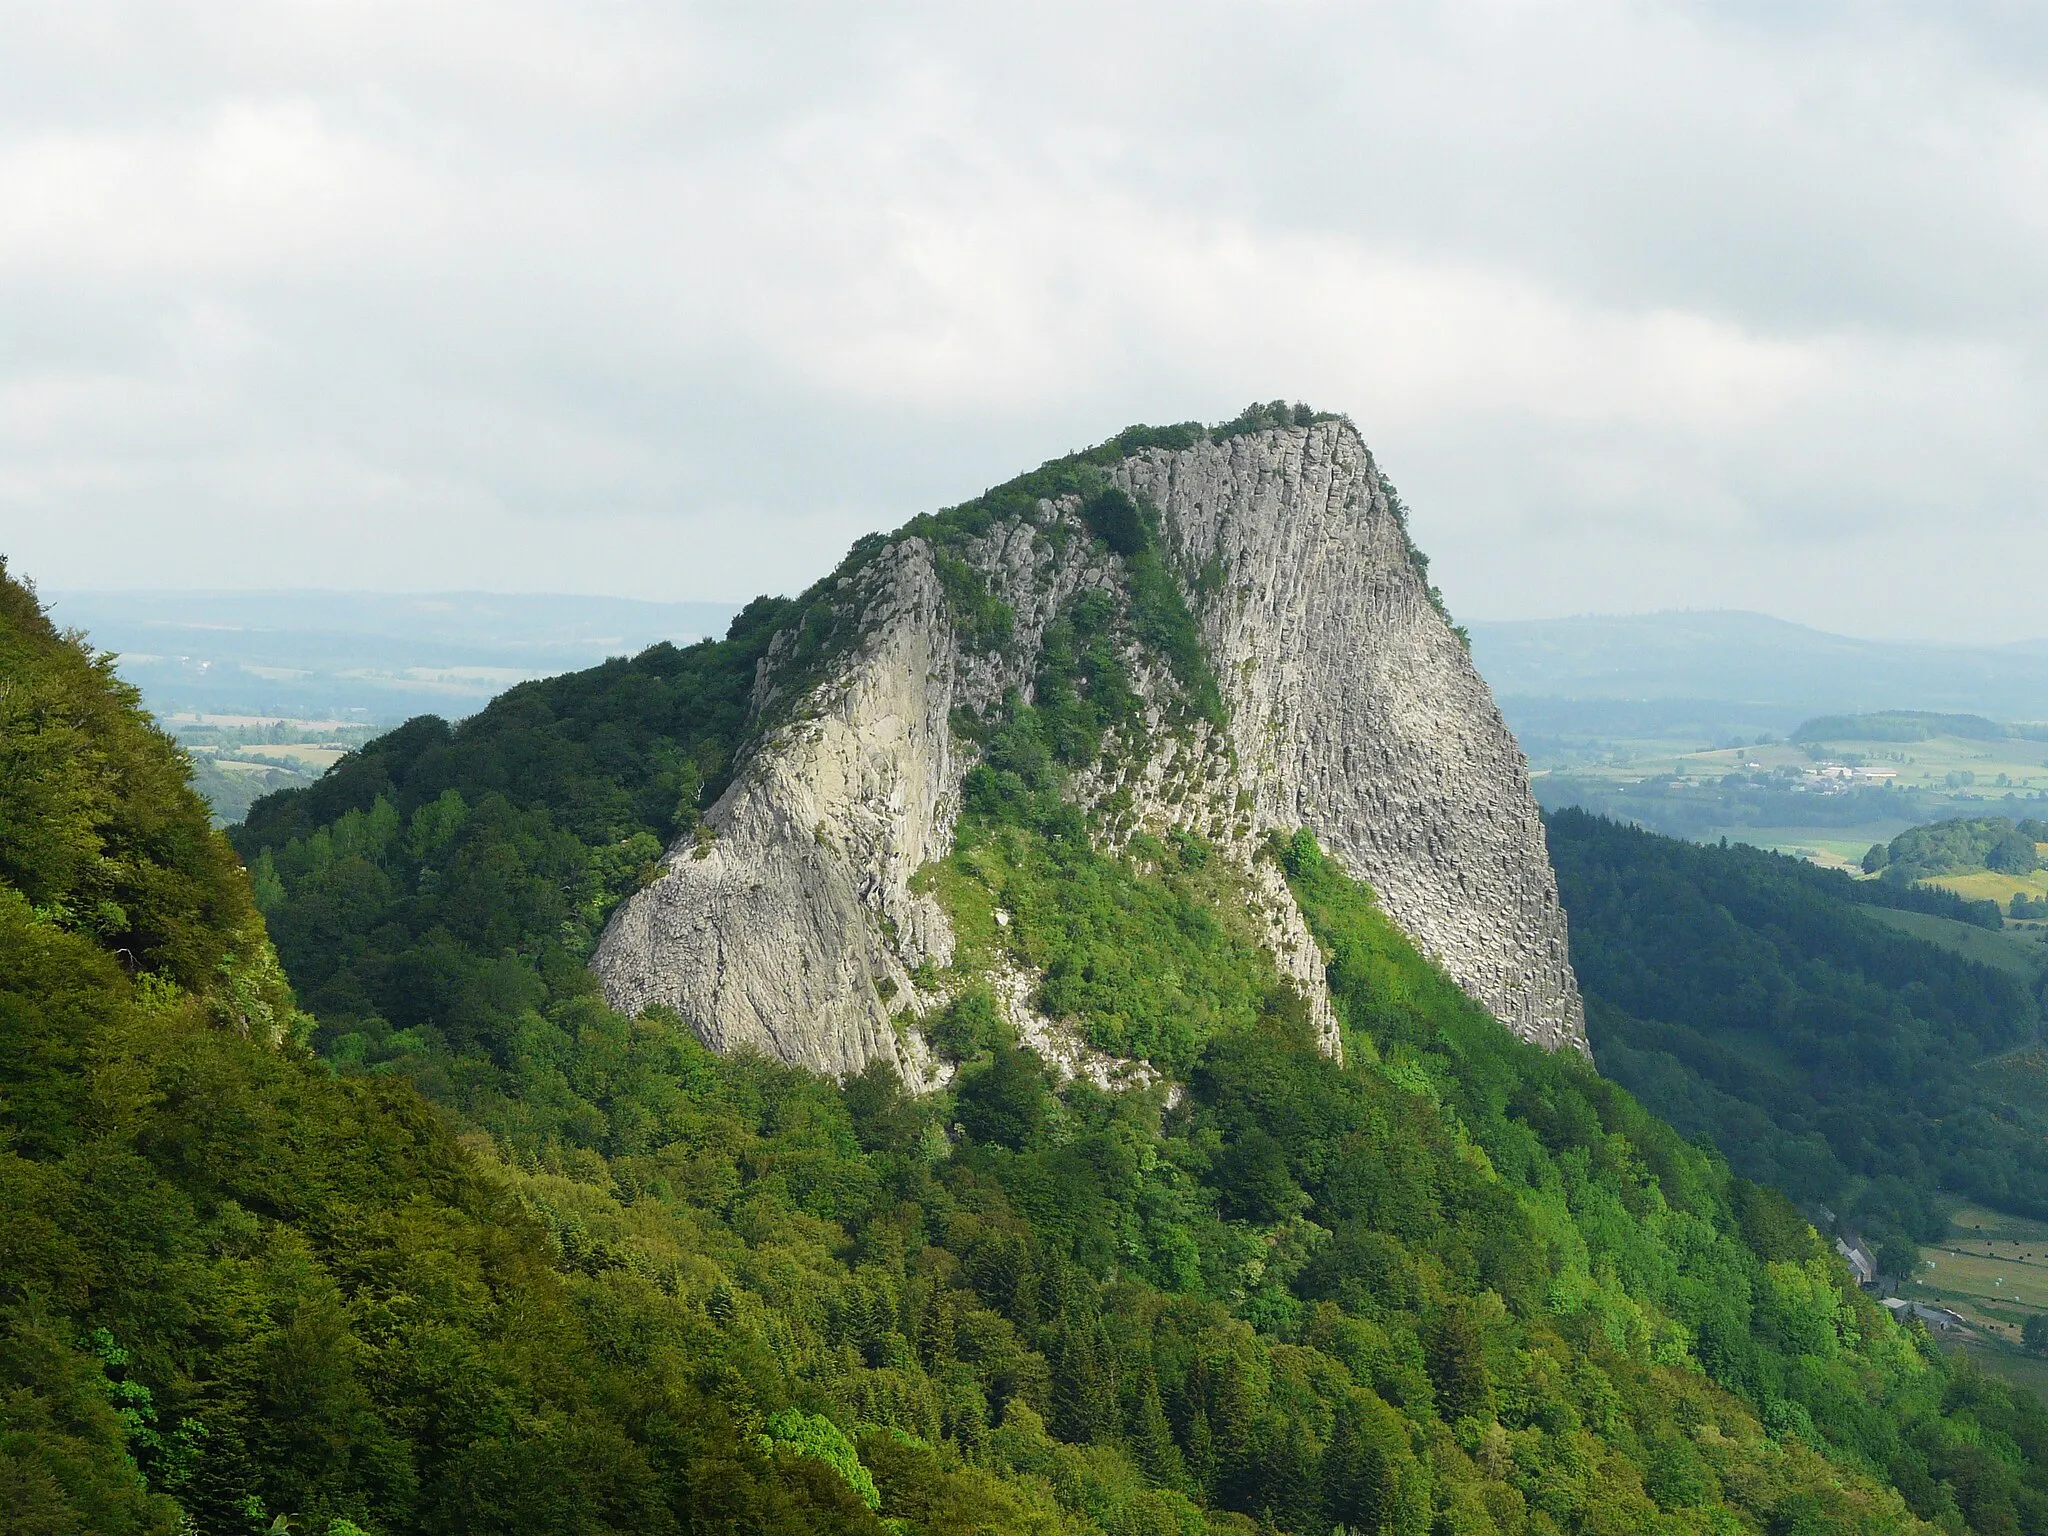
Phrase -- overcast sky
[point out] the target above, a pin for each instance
(1641, 305)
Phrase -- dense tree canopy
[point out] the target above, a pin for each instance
(234, 1285)
(100, 831)
(1456, 1284)
(1964, 845)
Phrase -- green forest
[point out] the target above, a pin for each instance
(1961, 845)
(397, 1228)
(1749, 998)
(1905, 725)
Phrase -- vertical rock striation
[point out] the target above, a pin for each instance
(792, 926)
(1357, 712)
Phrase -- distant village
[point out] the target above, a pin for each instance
(1834, 778)
(1823, 778)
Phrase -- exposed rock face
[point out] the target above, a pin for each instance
(1357, 713)
(771, 936)
(1353, 710)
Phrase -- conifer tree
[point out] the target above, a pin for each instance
(1149, 1436)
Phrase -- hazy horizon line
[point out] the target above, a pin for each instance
(53, 595)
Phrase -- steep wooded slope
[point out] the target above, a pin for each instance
(235, 1287)
(1452, 1282)
(1751, 998)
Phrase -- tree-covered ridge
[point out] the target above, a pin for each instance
(1905, 725)
(235, 1287)
(627, 747)
(1512, 1099)
(399, 883)
(100, 831)
(1745, 996)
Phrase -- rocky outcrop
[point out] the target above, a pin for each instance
(790, 924)
(1356, 711)
(772, 933)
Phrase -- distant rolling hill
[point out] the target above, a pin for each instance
(1624, 714)
(362, 656)
(1784, 671)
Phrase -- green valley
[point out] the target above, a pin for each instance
(1831, 1034)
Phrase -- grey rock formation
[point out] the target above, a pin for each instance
(1357, 713)
(772, 934)
(794, 929)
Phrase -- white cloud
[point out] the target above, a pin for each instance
(1639, 304)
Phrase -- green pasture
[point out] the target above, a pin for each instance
(1989, 885)
(2019, 951)
(1836, 848)
(1992, 1268)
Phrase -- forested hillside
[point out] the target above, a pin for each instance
(235, 1286)
(498, 1259)
(1458, 1284)
(1962, 845)
(1750, 998)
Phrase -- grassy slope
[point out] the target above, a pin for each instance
(2017, 952)
(1988, 885)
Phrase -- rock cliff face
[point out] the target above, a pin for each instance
(1356, 712)
(791, 926)
(771, 933)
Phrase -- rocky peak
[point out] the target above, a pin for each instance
(1289, 668)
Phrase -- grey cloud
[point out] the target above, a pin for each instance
(1639, 304)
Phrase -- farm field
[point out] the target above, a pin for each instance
(1992, 1268)
(1989, 885)
(1835, 848)
(1780, 798)
(340, 730)
(1981, 770)
(316, 757)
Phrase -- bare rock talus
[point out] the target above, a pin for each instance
(1353, 710)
